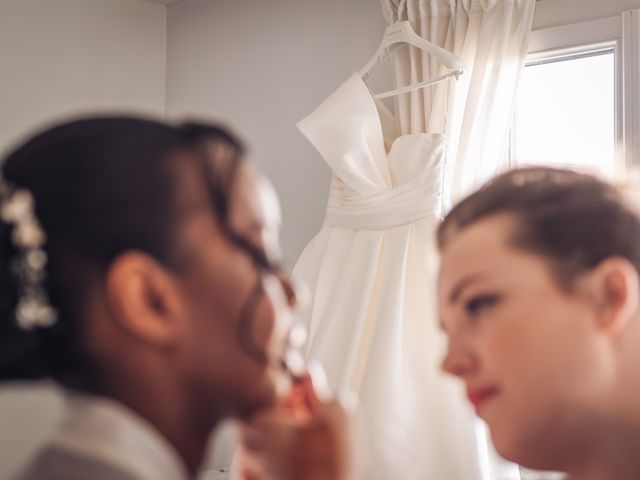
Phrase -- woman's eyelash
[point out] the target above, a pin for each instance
(257, 254)
(479, 303)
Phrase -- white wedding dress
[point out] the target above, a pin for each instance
(373, 321)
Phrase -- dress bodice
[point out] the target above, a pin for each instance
(372, 187)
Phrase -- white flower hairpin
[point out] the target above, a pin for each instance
(17, 208)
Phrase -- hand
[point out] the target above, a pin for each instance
(303, 438)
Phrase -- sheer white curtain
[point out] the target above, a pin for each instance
(492, 37)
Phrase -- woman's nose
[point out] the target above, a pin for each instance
(459, 362)
(297, 293)
(289, 289)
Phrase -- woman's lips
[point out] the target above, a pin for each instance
(479, 396)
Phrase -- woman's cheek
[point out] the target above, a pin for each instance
(264, 324)
(280, 314)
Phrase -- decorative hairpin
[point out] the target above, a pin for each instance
(28, 237)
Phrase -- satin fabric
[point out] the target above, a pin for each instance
(371, 268)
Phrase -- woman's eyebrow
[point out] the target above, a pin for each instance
(464, 283)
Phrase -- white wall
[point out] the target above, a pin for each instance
(59, 57)
(262, 66)
(69, 56)
(551, 13)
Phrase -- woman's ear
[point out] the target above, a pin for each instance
(144, 298)
(615, 284)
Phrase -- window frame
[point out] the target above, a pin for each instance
(622, 35)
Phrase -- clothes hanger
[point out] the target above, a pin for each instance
(399, 34)
(417, 86)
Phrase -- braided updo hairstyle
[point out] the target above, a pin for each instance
(100, 186)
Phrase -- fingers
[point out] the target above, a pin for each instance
(263, 449)
(308, 394)
(252, 469)
(308, 433)
(249, 462)
(316, 387)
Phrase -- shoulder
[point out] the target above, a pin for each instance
(54, 463)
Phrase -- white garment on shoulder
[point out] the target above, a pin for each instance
(107, 431)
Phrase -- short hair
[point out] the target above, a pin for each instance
(574, 220)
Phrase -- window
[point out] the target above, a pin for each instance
(566, 112)
(579, 102)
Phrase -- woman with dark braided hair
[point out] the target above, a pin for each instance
(138, 269)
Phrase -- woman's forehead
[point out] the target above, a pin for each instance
(254, 199)
(489, 236)
(483, 248)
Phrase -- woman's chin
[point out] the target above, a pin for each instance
(269, 391)
(527, 450)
